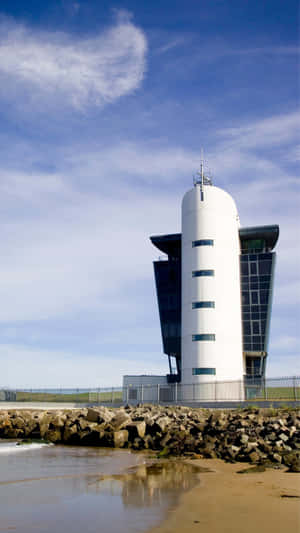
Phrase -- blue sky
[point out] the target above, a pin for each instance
(104, 109)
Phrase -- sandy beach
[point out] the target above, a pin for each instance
(227, 502)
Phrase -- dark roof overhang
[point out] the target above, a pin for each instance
(171, 244)
(168, 244)
(269, 233)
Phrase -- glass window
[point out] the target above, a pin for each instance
(255, 316)
(200, 305)
(244, 269)
(264, 268)
(254, 297)
(264, 297)
(253, 269)
(257, 347)
(247, 330)
(204, 337)
(245, 298)
(264, 279)
(199, 273)
(203, 242)
(254, 244)
(204, 371)
(255, 328)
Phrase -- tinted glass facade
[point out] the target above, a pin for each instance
(168, 287)
(256, 285)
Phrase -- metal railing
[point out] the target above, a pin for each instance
(251, 390)
(100, 395)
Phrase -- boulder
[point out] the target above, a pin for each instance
(120, 438)
(120, 420)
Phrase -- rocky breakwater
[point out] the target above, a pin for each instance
(255, 435)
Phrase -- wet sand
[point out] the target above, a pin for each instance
(227, 502)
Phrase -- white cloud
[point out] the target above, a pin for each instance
(271, 131)
(56, 66)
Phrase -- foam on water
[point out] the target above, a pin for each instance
(14, 447)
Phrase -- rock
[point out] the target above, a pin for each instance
(120, 438)
(283, 437)
(120, 420)
(149, 442)
(70, 433)
(244, 438)
(254, 457)
(136, 429)
(53, 435)
(92, 415)
(162, 423)
(59, 420)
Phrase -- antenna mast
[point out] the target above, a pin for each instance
(202, 168)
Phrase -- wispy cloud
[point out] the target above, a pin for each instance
(81, 72)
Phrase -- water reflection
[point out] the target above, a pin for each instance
(147, 485)
(81, 488)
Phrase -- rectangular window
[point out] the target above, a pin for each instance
(245, 298)
(264, 268)
(204, 371)
(255, 328)
(253, 269)
(200, 305)
(254, 297)
(247, 329)
(200, 273)
(264, 297)
(244, 268)
(204, 337)
(203, 242)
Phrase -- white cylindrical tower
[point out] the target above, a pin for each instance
(211, 296)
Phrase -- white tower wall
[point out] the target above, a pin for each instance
(212, 217)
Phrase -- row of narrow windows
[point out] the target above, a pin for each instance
(199, 305)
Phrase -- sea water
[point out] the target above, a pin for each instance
(47, 488)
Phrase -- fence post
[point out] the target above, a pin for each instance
(112, 395)
(295, 388)
(142, 393)
(157, 392)
(265, 389)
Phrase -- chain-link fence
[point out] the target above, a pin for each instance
(273, 389)
(250, 390)
(107, 395)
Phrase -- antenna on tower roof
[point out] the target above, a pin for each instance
(202, 167)
(200, 178)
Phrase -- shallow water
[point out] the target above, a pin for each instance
(80, 489)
